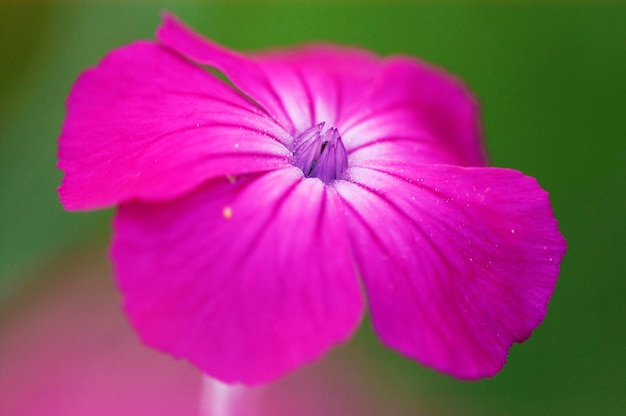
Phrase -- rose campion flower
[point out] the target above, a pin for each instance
(255, 216)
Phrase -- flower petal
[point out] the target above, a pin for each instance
(300, 87)
(319, 83)
(415, 110)
(239, 69)
(146, 123)
(247, 279)
(458, 263)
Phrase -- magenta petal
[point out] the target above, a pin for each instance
(458, 263)
(416, 111)
(241, 70)
(300, 87)
(146, 123)
(247, 279)
(320, 83)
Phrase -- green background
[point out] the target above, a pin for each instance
(551, 79)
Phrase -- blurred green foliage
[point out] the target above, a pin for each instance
(551, 79)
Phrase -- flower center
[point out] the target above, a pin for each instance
(320, 155)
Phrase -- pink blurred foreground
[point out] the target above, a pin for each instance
(67, 350)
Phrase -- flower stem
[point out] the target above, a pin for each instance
(220, 399)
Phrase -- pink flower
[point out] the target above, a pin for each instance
(255, 218)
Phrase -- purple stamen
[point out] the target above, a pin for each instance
(321, 155)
